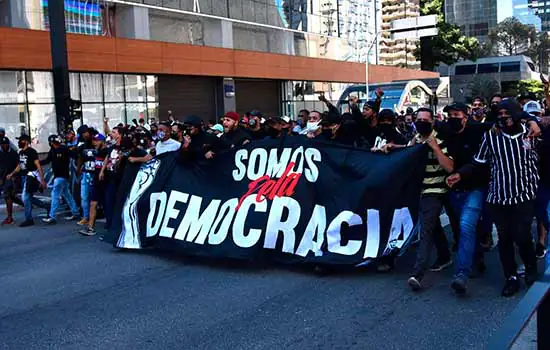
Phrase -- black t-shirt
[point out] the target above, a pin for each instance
(26, 160)
(462, 148)
(87, 153)
(100, 156)
(8, 162)
(118, 160)
(257, 135)
(235, 138)
(60, 160)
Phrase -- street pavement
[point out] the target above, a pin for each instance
(63, 290)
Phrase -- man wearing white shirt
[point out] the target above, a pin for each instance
(165, 143)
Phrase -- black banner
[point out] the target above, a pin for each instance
(291, 201)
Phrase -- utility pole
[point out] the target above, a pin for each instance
(58, 40)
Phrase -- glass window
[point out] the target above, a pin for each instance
(92, 115)
(136, 111)
(43, 123)
(113, 85)
(510, 67)
(135, 88)
(152, 93)
(90, 85)
(465, 70)
(40, 87)
(487, 68)
(13, 118)
(74, 84)
(12, 87)
(153, 112)
(116, 113)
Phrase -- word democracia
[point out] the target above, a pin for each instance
(219, 222)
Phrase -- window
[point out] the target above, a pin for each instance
(40, 87)
(113, 85)
(465, 69)
(487, 68)
(532, 66)
(14, 119)
(12, 87)
(510, 67)
(135, 88)
(43, 123)
(91, 87)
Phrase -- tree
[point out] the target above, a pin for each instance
(483, 87)
(540, 50)
(449, 45)
(511, 37)
(531, 86)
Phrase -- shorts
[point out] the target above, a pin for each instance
(98, 192)
(8, 189)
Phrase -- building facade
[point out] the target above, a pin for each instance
(474, 17)
(142, 58)
(398, 52)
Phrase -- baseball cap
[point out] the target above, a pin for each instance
(4, 141)
(192, 120)
(370, 104)
(286, 119)
(3, 130)
(386, 114)
(456, 106)
(532, 107)
(99, 137)
(217, 127)
(24, 137)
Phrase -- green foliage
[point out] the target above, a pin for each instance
(449, 45)
(511, 37)
(531, 86)
(483, 87)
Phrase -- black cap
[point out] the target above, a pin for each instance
(24, 137)
(255, 113)
(4, 141)
(410, 110)
(513, 108)
(456, 106)
(370, 104)
(386, 114)
(192, 120)
(82, 129)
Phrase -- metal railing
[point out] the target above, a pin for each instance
(537, 300)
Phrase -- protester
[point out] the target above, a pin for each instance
(3, 135)
(203, 145)
(233, 135)
(478, 109)
(59, 157)
(111, 172)
(32, 176)
(301, 122)
(513, 184)
(217, 130)
(9, 159)
(254, 126)
(432, 199)
(99, 188)
(388, 134)
(165, 142)
(85, 169)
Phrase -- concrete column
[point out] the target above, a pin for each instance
(132, 22)
(218, 33)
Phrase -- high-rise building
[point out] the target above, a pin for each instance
(398, 52)
(141, 58)
(542, 10)
(523, 10)
(474, 17)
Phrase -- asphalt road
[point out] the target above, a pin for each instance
(63, 290)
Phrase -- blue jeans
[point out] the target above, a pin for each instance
(27, 198)
(468, 206)
(61, 189)
(86, 181)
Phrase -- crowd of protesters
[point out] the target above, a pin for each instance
(487, 164)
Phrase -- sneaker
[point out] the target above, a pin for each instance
(511, 287)
(49, 221)
(441, 265)
(459, 284)
(26, 223)
(88, 231)
(541, 251)
(521, 270)
(70, 217)
(83, 222)
(415, 282)
(8, 221)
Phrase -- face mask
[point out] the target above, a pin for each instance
(252, 122)
(455, 124)
(174, 135)
(272, 132)
(313, 126)
(161, 135)
(386, 129)
(327, 133)
(424, 128)
(502, 123)
(21, 144)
